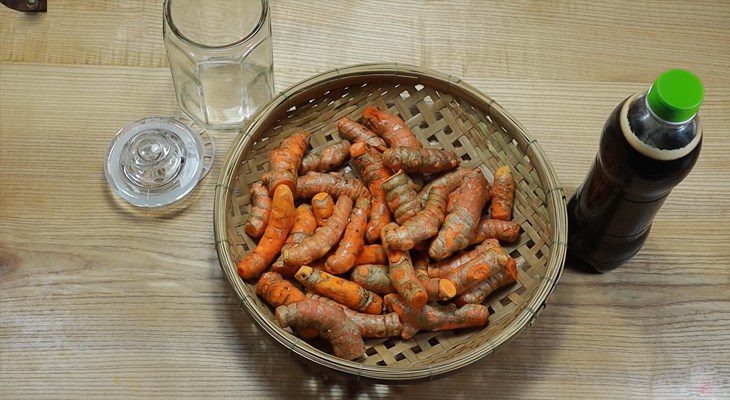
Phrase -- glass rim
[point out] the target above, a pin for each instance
(169, 22)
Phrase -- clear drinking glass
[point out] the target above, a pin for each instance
(221, 58)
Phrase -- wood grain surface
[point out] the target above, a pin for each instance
(98, 299)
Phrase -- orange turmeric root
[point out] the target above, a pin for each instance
(436, 288)
(357, 133)
(340, 290)
(324, 238)
(304, 227)
(507, 275)
(280, 222)
(453, 203)
(472, 273)
(408, 315)
(420, 160)
(461, 223)
(336, 185)
(391, 128)
(379, 214)
(352, 242)
(503, 194)
(435, 317)
(450, 181)
(373, 277)
(403, 278)
(330, 321)
(278, 292)
(444, 318)
(506, 231)
(285, 160)
(260, 210)
(328, 158)
(401, 196)
(369, 164)
(384, 325)
(322, 206)
(422, 226)
(442, 268)
(372, 254)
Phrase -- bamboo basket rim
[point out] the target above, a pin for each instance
(555, 204)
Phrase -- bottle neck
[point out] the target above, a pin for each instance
(655, 137)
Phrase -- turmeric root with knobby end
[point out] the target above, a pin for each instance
(372, 254)
(340, 290)
(479, 269)
(453, 204)
(435, 317)
(507, 275)
(322, 207)
(352, 242)
(335, 184)
(373, 277)
(278, 292)
(448, 317)
(442, 268)
(436, 288)
(503, 194)
(324, 238)
(304, 227)
(356, 133)
(332, 323)
(384, 325)
(450, 181)
(401, 197)
(472, 273)
(403, 277)
(420, 160)
(280, 222)
(506, 231)
(461, 223)
(260, 210)
(285, 160)
(408, 315)
(422, 226)
(379, 213)
(391, 128)
(328, 158)
(369, 164)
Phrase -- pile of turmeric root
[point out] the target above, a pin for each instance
(428, 254)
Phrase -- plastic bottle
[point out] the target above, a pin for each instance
(649, 144)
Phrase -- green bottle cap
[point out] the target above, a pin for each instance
(676, 95)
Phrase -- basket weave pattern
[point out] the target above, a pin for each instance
(481, 135)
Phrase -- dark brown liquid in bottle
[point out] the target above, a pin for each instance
(610, 215)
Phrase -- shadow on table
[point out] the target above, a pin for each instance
(579, 266)
(282, 375)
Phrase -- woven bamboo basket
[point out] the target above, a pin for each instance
(443, 112)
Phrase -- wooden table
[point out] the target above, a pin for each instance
(101, 300)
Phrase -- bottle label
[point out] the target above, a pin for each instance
(649, 151)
